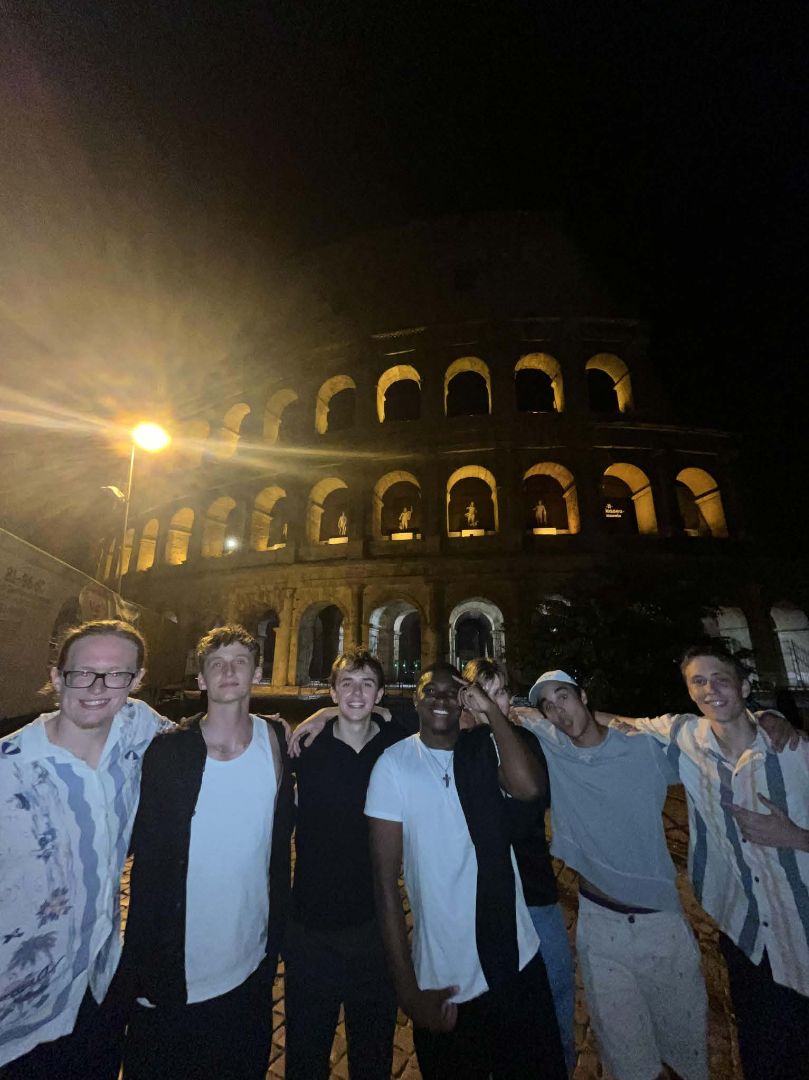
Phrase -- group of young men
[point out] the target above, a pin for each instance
(207, 810)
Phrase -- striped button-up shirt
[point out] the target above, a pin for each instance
(64, 836)
(758, 895)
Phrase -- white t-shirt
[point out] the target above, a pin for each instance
(440, 867)
(227, 890)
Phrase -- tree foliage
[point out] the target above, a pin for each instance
(620, 631)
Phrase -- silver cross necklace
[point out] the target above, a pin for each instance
(444, 774)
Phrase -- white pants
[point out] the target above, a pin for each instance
(645, 991)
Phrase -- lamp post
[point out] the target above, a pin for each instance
(152, 438)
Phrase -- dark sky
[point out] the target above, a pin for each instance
(165, 157)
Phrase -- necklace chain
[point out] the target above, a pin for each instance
(445, 774)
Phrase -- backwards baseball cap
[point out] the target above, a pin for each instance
(535, 693)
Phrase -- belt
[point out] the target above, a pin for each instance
(613, 905)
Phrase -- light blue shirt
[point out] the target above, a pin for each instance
(606, 813)
(64, 837)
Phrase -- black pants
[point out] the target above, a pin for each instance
(324, 970)
(508, 1034)
(92, 1051)
(227, 1037)
(772, 1020)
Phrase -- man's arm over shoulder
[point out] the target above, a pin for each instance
(663, 728)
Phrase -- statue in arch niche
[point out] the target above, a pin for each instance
(404, 518)
(342, 524)
(471, 515)
(540, 513)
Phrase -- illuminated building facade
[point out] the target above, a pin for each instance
(441, 414)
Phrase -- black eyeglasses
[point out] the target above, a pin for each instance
(113, 680)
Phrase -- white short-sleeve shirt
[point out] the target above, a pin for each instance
(440, 867)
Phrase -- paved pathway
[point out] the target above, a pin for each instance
(724, 1062)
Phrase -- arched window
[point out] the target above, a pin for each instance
(550, 499)
(267, 526)
(274, 413)
(129, 539)
(471, 502)
(146, 547)
(792, 628)
(609, 386)
(626, 500)
(394, 636)
(327, 514)
(334, 409)
(397, 506)
(216, 532)
(700, 504)
(179, 535)
(320, 641)
(467, 388)
(538, 384)
(268, 624)
(730, 625)
(476, 630)
(231, 429)
(398, 394)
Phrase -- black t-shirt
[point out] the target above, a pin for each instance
(333, 886)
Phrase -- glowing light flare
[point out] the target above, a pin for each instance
(150, 436)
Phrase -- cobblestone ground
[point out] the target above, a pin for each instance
(723, 1051)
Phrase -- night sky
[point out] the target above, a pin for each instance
(163, 159)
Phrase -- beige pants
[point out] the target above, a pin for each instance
(645, 992)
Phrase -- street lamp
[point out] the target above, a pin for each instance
(152, 438)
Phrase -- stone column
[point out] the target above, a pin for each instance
(357, 630)
(665, 494)
(435, 636)
(283, 637)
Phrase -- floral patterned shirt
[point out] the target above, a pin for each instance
(64, 836)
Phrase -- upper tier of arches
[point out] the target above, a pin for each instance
(402, 392)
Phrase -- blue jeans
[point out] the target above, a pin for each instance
(549, 923)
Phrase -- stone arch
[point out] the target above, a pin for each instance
(729, 624)
(320, 640)
(401, 373)
(321, 493)
(266, 629)
(618, 373)
(487, 512)
(468, 365)
(569, 521)
(129, 540)
(335, 385)
(179, 536)
(191, 442)
(481, 628)
(216, 520)
(792, 630)
(263, 536)
(638, 490)
(148, 544)
(527, 397)
(705, 499)
(394, 636)
(274, 411)
(230, 431)
(385, 513)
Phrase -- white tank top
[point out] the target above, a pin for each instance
(227, 892)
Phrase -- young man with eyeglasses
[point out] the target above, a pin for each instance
(210, 881)
(69, 785)
(475, 986)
